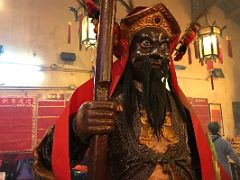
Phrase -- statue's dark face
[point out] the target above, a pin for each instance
(149, 64)
(149, 45)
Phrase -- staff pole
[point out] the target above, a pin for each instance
(98, 144)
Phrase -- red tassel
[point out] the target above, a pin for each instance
(196, 50)
(189, 55)
(210, 70)
(229, 46)
(69, 33)
(212, 84)
(209, 65)
(81, 17)
(220, 54)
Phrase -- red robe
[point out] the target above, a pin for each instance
(60, 151)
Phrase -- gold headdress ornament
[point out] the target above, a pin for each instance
(157, 16)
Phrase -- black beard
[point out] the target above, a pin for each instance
(154, 98)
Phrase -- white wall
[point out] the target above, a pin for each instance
(36, 26)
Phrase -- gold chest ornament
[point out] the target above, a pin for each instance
(150, 139)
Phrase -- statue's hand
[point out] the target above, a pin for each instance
(95, 117)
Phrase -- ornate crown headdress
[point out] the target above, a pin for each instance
(157, 16)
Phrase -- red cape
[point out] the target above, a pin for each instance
(60, 151)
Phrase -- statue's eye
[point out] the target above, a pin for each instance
(145, 44)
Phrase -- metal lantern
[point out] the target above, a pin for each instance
(209, 47)
(208, 42)
(88, 36)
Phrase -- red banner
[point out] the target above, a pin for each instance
(16, 124)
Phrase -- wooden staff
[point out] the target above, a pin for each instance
(98, 144)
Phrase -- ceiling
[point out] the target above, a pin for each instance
(231, 8)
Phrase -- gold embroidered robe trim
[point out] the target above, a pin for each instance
(149, 138)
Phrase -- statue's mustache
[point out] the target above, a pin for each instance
(152, 60)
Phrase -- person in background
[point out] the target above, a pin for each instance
(223, 147)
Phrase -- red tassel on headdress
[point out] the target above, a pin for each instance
(189, 55)
(92, 8)
(180, 52)
(229, 47)
(187, 38)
